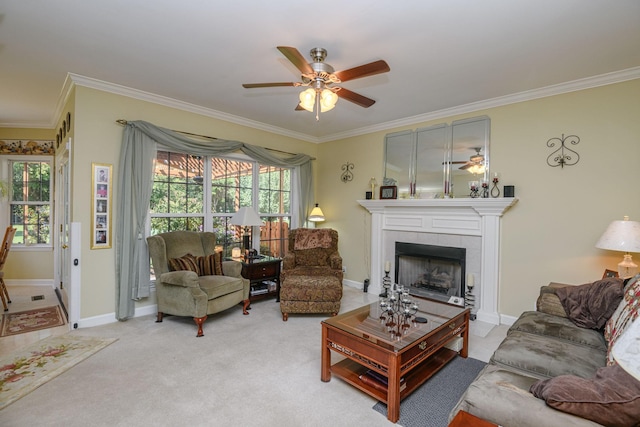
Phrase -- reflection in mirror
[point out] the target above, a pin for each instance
(399, 159)
(431, 161)
(469, 153)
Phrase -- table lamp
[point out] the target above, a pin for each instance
(246, 217)
(316, 214)
(623, 236)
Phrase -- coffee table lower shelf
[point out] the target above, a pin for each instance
(350, 371)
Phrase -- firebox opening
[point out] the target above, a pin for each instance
(430, 271)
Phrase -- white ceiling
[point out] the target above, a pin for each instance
(443, 54)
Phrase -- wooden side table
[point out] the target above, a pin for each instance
(465, 419)
(262, 274)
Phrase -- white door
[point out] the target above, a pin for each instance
(63, 228)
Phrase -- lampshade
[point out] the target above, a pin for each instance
(623, 236)
(316, 214)
(326, 99)
(246, 216)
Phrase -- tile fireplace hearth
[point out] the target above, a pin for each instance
(473, 224)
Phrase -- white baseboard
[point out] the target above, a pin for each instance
(507, 320)
(29, 282)
(353, 284)
(105, 319)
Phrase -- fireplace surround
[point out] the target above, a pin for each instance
(473, 224)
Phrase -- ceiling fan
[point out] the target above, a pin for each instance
(320, 78)
(475, 164)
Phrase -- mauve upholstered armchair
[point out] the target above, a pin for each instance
(311, 276)
(187, 287)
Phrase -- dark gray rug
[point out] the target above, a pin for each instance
(429, 406)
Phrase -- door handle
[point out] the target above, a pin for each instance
(64, 246)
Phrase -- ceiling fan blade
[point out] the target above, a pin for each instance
(366, 70)
(465, 167)
(299, 108)
(356, 98)
(296, 59)
(253, 85)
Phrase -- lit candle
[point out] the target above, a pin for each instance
(387, 267)
(470, 280)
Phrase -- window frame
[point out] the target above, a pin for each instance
(207, 214)
(7, 176)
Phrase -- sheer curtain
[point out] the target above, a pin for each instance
(135, 182)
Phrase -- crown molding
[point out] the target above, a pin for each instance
(75, 79)
(101, 85)
(572, 86)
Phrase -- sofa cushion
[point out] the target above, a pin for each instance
(548, 325)
(217, 286)
(187, 262)
(502, 397)
(623, 316)
(611, 397)
(210, 265)
(545, 357)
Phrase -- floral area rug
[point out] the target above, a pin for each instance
(29, 368)
(31, 320)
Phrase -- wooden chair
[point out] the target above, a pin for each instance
(4, 251)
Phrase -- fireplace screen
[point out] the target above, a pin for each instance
(429, 271)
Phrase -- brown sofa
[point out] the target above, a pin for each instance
(550, 372)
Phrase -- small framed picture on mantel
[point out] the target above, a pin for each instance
(388, 192)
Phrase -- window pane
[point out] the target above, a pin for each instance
(275, 187)
(232, 184)
(164, 225)
(274, 236)
(30, 181)
(32, 222)
(177, 186)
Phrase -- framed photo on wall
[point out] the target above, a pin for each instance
(101, 205)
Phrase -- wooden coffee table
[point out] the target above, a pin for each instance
(366, 346)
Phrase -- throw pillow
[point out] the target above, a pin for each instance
(623, 316)
(611, 398)
(210, 265)
(186, 262)
(626, 350)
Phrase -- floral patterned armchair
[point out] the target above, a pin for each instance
(311, 276)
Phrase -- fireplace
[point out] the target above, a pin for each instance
(431, 271)
(461, 222)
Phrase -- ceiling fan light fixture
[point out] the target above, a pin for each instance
(308, 99)
(328, 99)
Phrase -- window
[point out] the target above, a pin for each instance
(30, 201)
(179, 198)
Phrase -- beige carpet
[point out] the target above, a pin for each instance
(29, 368)
(253, 370)
(31, 320)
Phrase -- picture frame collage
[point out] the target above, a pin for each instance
(101, 205)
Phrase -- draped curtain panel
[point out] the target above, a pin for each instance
(135, 182)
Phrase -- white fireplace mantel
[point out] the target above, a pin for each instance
(464, 216)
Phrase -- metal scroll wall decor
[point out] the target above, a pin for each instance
(563, 155)
(347, 175)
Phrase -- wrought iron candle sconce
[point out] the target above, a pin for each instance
(473, 186)
(563, 155)
(495, 191)
(346, 174)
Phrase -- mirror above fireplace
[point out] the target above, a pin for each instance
(440, 160)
